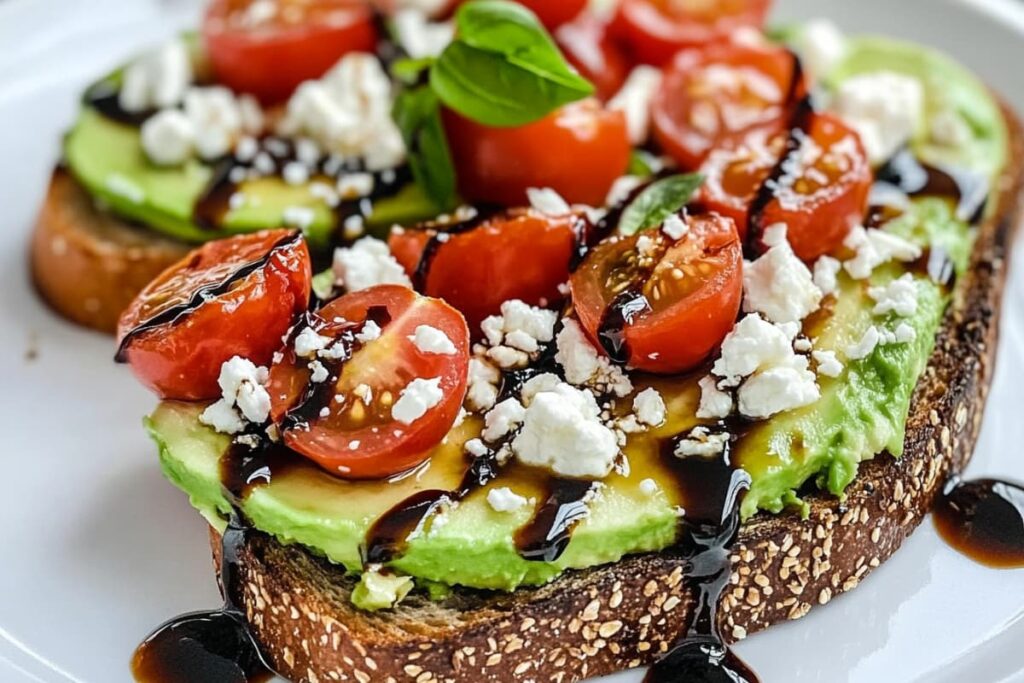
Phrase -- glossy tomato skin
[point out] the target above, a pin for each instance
(681, 328)
(587, 45)
(519, 254)
(552, 13)
(655, 30)
(578, 150)
(359, 438)
(716, 97)
(821, 205)
(299, 43)
(733, 176)
(182, 360)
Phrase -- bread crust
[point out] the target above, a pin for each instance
(605, 619)
(88, 264)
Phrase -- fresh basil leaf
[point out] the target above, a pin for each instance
(641, 163)
(658, 201)
(409, 70)
(417, 112)
(503, 69)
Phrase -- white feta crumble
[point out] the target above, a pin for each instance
(622, 188)
(866, 346)
(701, 442)
(369, 332)
(476, 447)
(821, 46)
(355, 185)
(319, 373)
(584, 365)
(503, 419)
(482, 389)
(295, 173)
(157, 79)
(308, 342)
(432, 340)
(648, 487)
(778, 284)
(714, 403)
(419, 36)
(899, 297)
(517, 332)
(243, 397)
(905, 333)
(949, 129)
(216, 120)
(826, 270)
(366, 263)
(562, 431)
(300, 217)
(886, 109)
(545, 381)
(223, 417)
(547, 201)
(649, 407)
(778, 389)
(752, 345)
(634, 100)
(827, 363)
(168, 137)
(418, 396)
(675, 227)
(875, 247)
(505, 500)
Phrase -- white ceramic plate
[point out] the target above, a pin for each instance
(97, 548)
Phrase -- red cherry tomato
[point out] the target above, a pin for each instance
(734, 175)
(588, 47)
(269, 54)
(655, 30)
(345, 424)
(578, 150)
(521, 254)
(824, 190)
(247, 291)
(552, 13)
(665, 309)
(716, 97)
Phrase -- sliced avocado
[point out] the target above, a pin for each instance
(107, 158)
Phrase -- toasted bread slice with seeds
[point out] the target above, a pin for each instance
(88, 264)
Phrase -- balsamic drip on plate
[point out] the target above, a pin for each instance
(983, 519)
(175, 314)
(913, 178)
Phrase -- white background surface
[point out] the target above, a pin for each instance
(96, 549)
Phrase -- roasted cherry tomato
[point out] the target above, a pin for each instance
(521, 254)
(353, 423)
(717, 96)
(659, 305)
(824, 190)
(232, 297)
(588, 47)
(578, 150)
(655, 30)
(733, 176)
(268, 47)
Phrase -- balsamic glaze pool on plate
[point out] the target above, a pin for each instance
(983, 519)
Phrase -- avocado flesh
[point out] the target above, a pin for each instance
(860, 414)
(107, 158)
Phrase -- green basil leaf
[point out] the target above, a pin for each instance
(503, 69)
(658, 201)
(641, 163)
(409, 70)
(417, 112)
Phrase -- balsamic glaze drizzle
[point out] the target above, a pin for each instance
(983, 519)
(175, 314)
(105, 97)
(439, 233)
(620, 313)
(545, 537)
(913, 178)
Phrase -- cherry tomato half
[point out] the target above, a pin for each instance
(578, 150)
(655, 30)
(345, 423)
(824, 192)
(552, 13)
(588, 47)
(520, 254)
(232, 297)
(734, 175)
(268, 48)
(717, 96)
(659, 305)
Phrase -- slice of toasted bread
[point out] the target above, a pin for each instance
(87, 263)
(609, 618)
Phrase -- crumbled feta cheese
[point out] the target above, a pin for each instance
(646, 246)
(899, 297)
(821, 46)
(308, 342)
(778, 389)
(827, 363)
(649, 407)
(505, 500)
(503, 419)
(431, 8)
(634, 101)
(432, 340)
(875, 247)
(366, 263)
(648, 487)
(949, 129)
(215, 118)
(476, 448)
(223, 417)
(168, 137)
(585, 366)
(714, 403)
(905, 333)
(826, 269)
(419, 396)
(547, 201)
(517, 333)
(355, 185)
(543, 382)
(675, 227)
(300, 217)
(295, 173)
(866, 346)
(319, 373)
(420, 37)
(562, 431)
(702, 443)
(622, 188)
(348, 113)
(886, 108)
(368, 333)
(752, 345)
(778, 284)
(157, 79)
(242, 386)
(483, 382)
(802, 345)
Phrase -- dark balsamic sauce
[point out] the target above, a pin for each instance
(439, 233)
(620, 313)
(105, 97)
(984, 520)
(175, 314)
(913, 178)
(545, 537)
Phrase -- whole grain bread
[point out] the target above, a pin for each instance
(88, 264)
(614, 617)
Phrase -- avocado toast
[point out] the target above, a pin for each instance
(606, 499)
